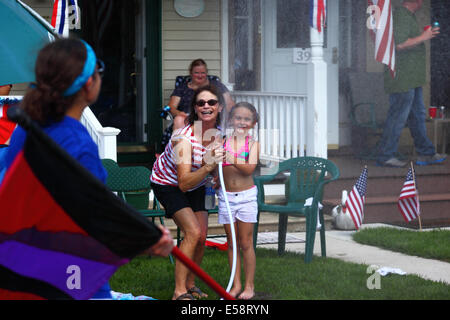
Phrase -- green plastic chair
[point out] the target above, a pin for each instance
(132, 184)
(307, 178)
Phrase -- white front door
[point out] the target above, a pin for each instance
(286, 45)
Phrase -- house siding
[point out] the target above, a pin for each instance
(186, 39)
(43, 7)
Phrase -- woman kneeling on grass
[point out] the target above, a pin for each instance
(179, 178)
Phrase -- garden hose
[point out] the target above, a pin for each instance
(233, 232)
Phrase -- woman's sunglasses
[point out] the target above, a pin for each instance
(100, 67)
(211, 102)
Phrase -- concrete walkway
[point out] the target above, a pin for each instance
(340, 245)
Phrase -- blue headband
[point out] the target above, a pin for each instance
(88, 70)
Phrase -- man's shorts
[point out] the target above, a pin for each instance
(173, 199)
(243, 205)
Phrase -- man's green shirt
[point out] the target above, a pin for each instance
(410, 63)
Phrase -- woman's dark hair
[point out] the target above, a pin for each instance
(248, 106)
(215, 91)
(196, 63)
(57, 66)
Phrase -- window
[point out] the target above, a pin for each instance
(293, 24)
(244, 44)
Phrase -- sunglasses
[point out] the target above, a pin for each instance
(100, 67)
(211, 102)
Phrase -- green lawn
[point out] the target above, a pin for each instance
(433, 244)
(280, 278)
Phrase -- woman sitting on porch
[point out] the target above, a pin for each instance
(181, 97)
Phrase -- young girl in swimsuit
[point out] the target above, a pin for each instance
(241, 159)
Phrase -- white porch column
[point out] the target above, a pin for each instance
(316, 112)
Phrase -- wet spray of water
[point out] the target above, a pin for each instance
(224, 131)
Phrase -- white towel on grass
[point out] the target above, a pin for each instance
(387, 270)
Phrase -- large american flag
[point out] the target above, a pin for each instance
(356, 199)
(317, 13)
(60, 13)
(408, 201)
(381, 23)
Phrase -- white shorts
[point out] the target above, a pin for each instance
(243, 206)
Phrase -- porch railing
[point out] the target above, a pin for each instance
(282, 127)
(104, 137)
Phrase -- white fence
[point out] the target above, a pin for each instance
(105, 138)
(282, 124)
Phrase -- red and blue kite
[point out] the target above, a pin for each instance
(56, 218)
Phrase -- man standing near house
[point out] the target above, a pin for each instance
(405, 89)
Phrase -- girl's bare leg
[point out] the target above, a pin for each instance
(236, 288)
(245, 232)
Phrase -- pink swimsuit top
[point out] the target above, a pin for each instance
(243, 152)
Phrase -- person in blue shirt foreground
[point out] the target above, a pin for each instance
(68, 79)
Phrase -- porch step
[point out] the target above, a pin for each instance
(268, 222)
(384, 186)
(384, 208)
(378, 186)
